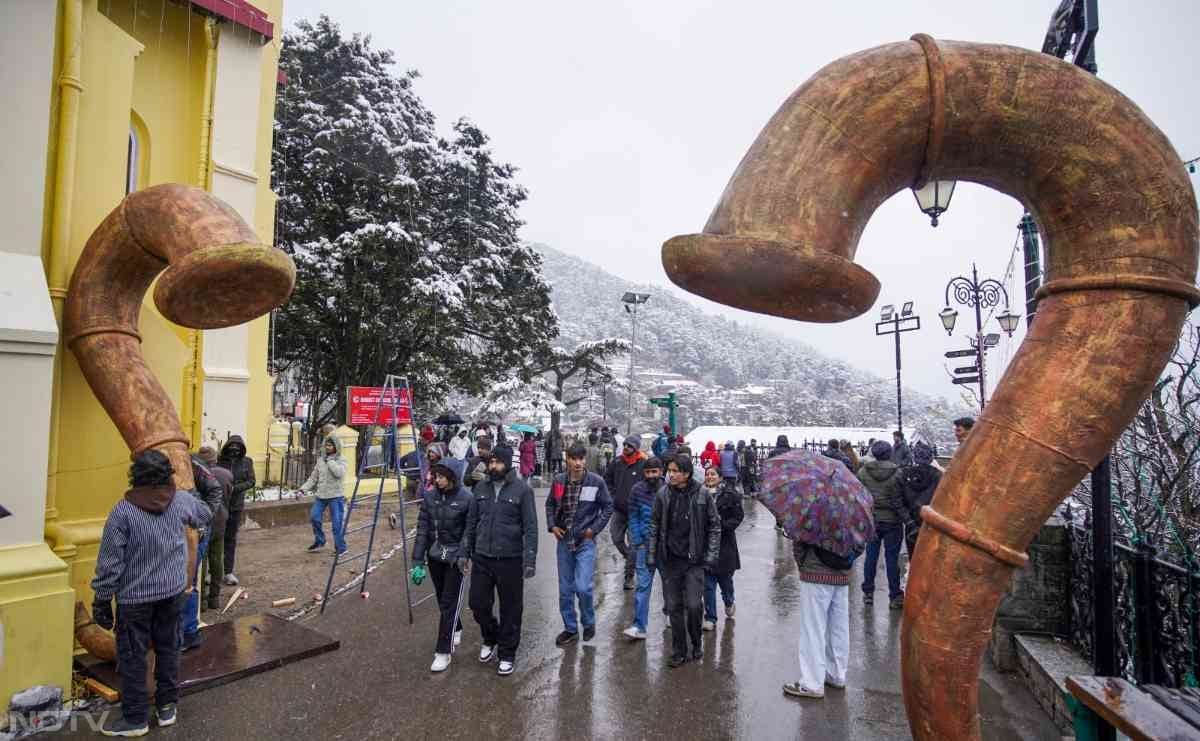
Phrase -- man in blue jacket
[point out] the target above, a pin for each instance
(577, 510)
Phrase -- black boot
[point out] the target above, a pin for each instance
(213, 598)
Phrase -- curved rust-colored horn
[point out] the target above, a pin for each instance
(1119, 218)
(215, 273)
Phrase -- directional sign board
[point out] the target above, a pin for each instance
(965, 379)
(961, 354)
(967, 369)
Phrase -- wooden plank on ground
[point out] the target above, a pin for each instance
(1129, 710)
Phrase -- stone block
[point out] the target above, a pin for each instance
(1044, 663)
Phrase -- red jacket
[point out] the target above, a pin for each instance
(710, 456)
(528, 450)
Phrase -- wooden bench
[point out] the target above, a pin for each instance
(1132, 711)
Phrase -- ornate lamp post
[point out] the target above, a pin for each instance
(978, 295)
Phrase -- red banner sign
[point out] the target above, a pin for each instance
(366, 405)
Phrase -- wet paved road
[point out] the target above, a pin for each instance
(378, 685)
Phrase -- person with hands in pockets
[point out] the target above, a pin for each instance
(502, 542)
(440, 549)
(577, 510)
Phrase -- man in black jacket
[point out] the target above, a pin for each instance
(685, 540)
(622, 473)
(233, 458)
(502, 540)
(577, 510)
(208, 490)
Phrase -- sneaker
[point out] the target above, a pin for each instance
(795, 689)
(195, 640)
(315, 547)
(709, 625)
(122, 727)
(457, 637)
(634, 633)
(589, 632)
(340, 551)
(565, 638)
(868, 598)
(897, 604)
(729, 610)
(836, 685)
(676, 661)
(166, 715)
(505, 668)
(440, 662)
(230, 580)
(486, 653)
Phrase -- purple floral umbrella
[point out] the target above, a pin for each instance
(818, 501)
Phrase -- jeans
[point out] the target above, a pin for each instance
(447, 584)
(505, 576)
(824, 634)
(710, 593)
(645, 584)
(889, 534)
(619, 525)
(139, 626)
(232, 525)
(336, 507)
(683, 588)
(189, 620)
(575, 570)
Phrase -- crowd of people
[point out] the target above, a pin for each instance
(665, 515)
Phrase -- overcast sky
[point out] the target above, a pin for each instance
(628, 118)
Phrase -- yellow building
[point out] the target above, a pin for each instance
(103, 97)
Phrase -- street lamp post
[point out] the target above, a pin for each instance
(978, 295)
(894, 322)
(632, 301)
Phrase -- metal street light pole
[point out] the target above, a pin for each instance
(978, 295)
(899, 321)
(632, 301)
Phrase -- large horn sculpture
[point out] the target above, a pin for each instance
(215, 273)
(1119, 218)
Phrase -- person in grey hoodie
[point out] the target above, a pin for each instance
(142, 562)
(326, 482)
(880, 476)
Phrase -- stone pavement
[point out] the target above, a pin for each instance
(378, 685)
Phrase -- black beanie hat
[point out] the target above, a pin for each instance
(504, 454)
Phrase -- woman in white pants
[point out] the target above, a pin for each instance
(824, 621)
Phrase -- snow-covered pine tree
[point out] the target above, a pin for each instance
(405, 243)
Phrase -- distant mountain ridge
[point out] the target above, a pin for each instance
(723, 356)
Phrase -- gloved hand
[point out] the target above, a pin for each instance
(463, 565)
(102, 613)
(417, 574)
(529, 571)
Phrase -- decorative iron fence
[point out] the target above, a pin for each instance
(1155, 627)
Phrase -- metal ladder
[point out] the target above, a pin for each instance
(392, 396)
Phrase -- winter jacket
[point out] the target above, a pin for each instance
(326, 478)
(503, 524)
(595, 459)
(143, 551)
(233, 457)
(528, 450)
(813, 570)
(838, 455)
(881, 478)
(917, 484)
(710, 456)
(641, 506)
(441, 525)
(704, 545)
(902, 454)
(729, 509)
(592, 513)
(729, 465)
(459, 447)
(621, 475)
(660, 445)
(225, 478)
(208, 489)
